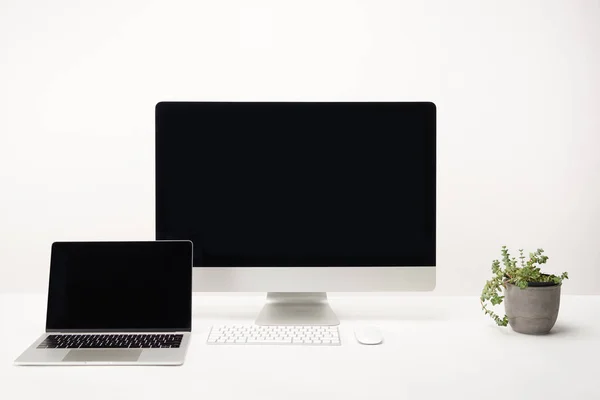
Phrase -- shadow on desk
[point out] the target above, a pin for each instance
(571, 331)
(560, 331)
(345, 313)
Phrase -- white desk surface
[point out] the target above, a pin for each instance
(435, 348)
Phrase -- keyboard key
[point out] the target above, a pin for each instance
(288, 340)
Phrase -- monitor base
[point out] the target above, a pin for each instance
(297, 309)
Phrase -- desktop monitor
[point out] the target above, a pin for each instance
(300, 198)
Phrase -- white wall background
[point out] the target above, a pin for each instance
(517, 85)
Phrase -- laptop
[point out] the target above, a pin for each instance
(116, 303)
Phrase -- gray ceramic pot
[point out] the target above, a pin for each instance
(532, 310)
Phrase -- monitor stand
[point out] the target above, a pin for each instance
(297, 309)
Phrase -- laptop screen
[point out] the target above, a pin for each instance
(120, 286)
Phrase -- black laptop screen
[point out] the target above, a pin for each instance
(120, 286)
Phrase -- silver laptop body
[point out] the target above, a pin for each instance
(158, 335)
(104, 356)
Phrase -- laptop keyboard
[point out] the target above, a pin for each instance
(112, 341)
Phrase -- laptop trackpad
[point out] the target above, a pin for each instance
(104, 355)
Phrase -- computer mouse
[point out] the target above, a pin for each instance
(368, 335)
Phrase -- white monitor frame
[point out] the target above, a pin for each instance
(313, 279)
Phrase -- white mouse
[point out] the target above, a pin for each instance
(368, 335)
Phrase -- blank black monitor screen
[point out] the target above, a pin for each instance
(298, 184)
(120, 286)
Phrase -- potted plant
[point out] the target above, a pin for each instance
(531, 298)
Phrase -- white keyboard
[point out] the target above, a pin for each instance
(292, 335)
